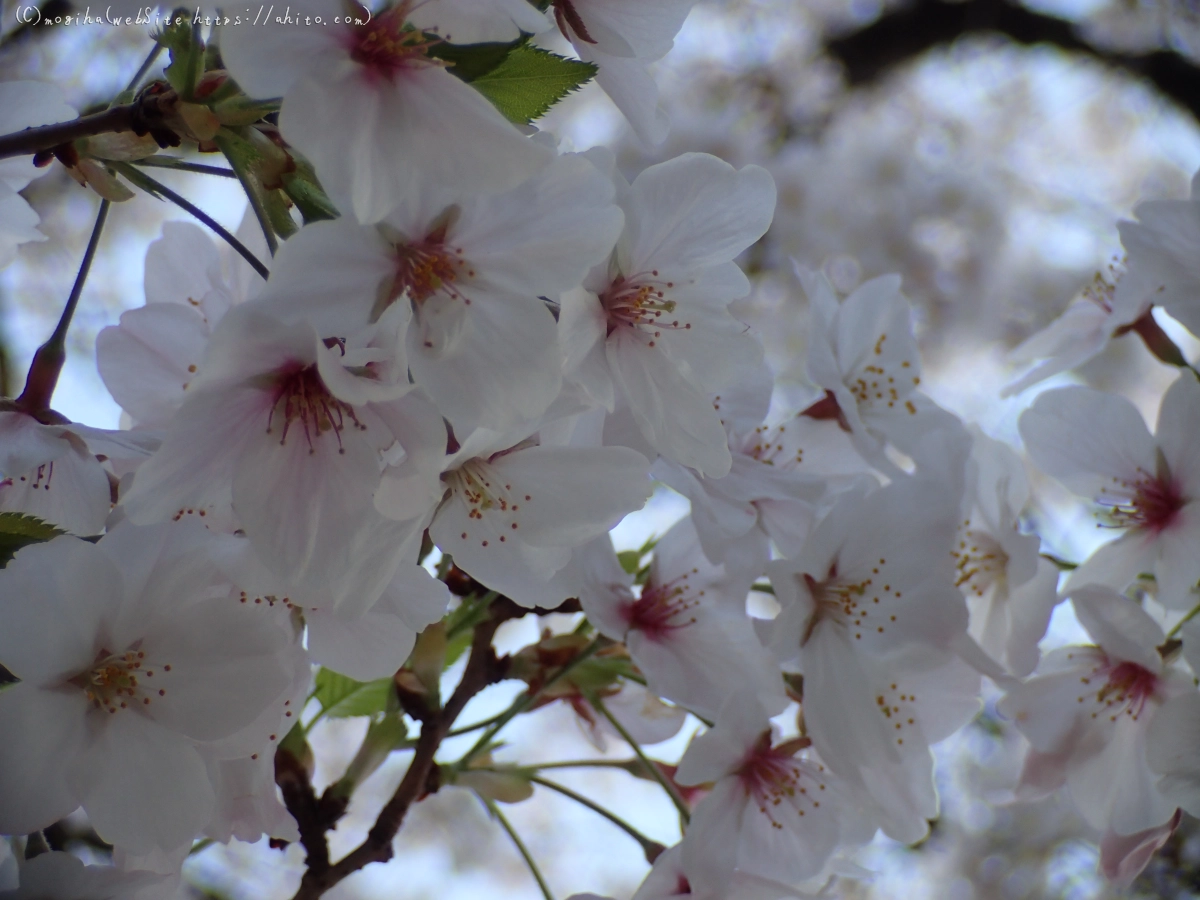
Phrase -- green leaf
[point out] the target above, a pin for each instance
(530, 81)
(472, 61)
(341, 697)
(187, 57)
(17, 531)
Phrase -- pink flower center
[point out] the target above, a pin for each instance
(304, 404)
(778, 782)
(639, 302)
(386, 45)
(1151, 502)
(663, 608)
(1127, 689)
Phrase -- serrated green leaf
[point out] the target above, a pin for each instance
(17, 531)
(530, 81)
(341, 697)
(472, 61)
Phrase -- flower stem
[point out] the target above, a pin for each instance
(652, 849)
(467, 729)
(49, 358)
(1195, 611)
(145, 66)
(1062, 564)
(522, 703)
(179, 165)
(657, 773)
(150, 185)
(520, 845)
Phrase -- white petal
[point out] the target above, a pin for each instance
(694, 211)
(675, 416)
(1085, 438)
(44, 738)
(143, 787)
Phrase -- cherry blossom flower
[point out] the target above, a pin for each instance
(150, 358)
(374, 112)
(772, 811)
(1083, 330)
(652, 326)
(503, 516)
(1171, 750)
(48, 472)
(764, 499)
(109, 713)
(873, 620)
(862, 353)
(1088, 711)
(23, 104)
(621, 37)
(1010, 590)
(471, 268)
(1097, 445)
(280, 430)
(687, 630)
(1160, 258)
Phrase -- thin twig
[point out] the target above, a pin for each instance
(651, 767)
(1175, 629)
(520, 845)
(523, 702)
(49, 358)
(651, 848)
(145, 66)
(179, 165)
(196, 211)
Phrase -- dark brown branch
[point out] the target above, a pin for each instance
(292, 777)
(870, 53)
(483, 668)
(145, 115)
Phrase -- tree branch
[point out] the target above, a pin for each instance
(145, 115)
(907, 32)
(483, 668)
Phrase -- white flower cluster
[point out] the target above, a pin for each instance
(493, 350)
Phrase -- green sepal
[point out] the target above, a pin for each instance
(279, 212)
(342, 697)
(18, 530)
(237, 109)
(629, 560)
(301, 185)
(530, 81)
